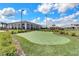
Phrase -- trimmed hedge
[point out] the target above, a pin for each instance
(62, 32)
(18, 31)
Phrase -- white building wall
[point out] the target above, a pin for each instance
(25, 26)
(8, 26)
(30, 26)
(17, 26)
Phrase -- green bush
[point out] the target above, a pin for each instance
(8, 51)
(13, 32)
(17, 31)
(21, 31)
(57, 30)
(6, 46)
(73, 34)
(5, 39)
(62, 32)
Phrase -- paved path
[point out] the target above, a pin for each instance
(18, 47)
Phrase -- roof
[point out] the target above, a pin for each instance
(24, 22)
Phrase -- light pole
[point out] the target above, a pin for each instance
(46, 20)
(21, 17)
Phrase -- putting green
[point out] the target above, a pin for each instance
(44, 38)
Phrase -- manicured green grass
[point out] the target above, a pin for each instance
(68, 49)
(44, 38)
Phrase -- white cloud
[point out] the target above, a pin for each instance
(2, 17)
(7, 15)
(36, 20)
(8, 20)
(68, 19)
(0, 12)
(73, 15)
(14, 21)
(61, 7)
(8, 12)
(44, 8)
(48, 21)
(61, 21)
(77, 13)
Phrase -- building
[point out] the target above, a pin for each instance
(21, 25)
(56, 28)
(72, 26)
(3, 25)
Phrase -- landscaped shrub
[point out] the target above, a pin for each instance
(13, 32)
(5, 39)
(73, 34)
(53, 30)
(57, 30)
(62, 32)
(66, 33)
(8, 51)
(21, 31)
(17, 31)
(6, 46)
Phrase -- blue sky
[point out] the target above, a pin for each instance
(57, 13)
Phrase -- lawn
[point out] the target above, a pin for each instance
(44, 38)
(30, 48)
